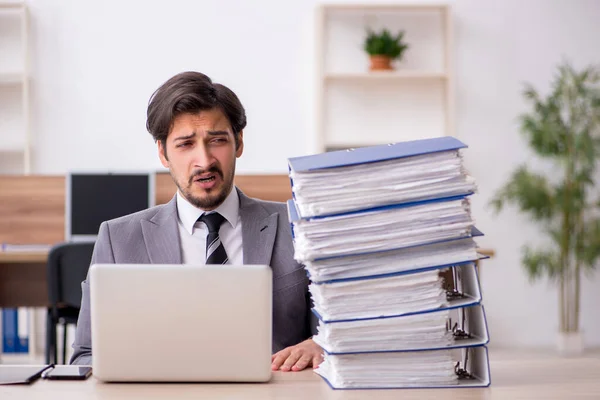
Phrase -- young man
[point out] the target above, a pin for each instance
(198, 127)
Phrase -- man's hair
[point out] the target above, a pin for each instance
(191, 92)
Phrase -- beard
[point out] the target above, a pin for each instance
(212, 198)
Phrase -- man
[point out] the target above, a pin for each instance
(198, 127)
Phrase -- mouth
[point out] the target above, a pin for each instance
(205, 179)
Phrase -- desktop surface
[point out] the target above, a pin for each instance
(515, 375)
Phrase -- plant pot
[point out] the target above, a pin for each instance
(570, 344)
(381, 63)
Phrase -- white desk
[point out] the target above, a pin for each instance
(514, 376)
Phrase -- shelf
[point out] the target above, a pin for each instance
(11, 4)
(8, 78)
(385, 75)
(385, 7)
(12, 148)
(10, 7)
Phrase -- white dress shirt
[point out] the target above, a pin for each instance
(193, 233)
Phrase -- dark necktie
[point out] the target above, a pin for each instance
(215, 252)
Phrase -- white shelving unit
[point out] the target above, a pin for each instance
(15, 139)
(15, 136)
(356, 107)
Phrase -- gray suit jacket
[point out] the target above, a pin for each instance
(152, 237)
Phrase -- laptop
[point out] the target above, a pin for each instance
(181, 323)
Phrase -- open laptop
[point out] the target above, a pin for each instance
(181, 323)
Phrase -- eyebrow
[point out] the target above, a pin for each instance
(193, 134)
(218, 133)
(185, 137)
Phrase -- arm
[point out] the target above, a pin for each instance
(304, 354)
(82, 346)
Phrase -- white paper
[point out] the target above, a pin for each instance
(393, 261)
(343, 189)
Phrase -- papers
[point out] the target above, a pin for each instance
(407, 259)
(356, 187)
(383, 229)
(386, 334)
(374, 298)
(390, 370)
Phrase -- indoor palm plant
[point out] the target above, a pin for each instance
(383, 47)
(563, 128)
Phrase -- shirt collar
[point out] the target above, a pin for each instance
(188, 213)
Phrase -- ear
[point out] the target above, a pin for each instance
(162, 154)
(240, 148)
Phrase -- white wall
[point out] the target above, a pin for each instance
(95, 65)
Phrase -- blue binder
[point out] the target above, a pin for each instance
(295, 216)
(15, 338)
(9, 330)
(472, 332)
(468, 296)
(369, 155)
(473, 371)
(373, 154)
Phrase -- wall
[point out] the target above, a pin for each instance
(95, 64)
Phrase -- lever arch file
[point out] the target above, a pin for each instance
(466, 367)
(393, 296)
(347, 180)
(388, 241)
(431, 330)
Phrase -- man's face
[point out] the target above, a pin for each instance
(200, 155)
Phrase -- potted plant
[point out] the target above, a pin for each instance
(564, 129)
(383, 48)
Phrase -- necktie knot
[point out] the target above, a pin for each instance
(213, 221)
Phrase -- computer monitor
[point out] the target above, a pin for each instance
(92, 198)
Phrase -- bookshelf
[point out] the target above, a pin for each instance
(355, 107)
(15, 139)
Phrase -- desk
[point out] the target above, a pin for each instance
(23, 281)
(515, 375)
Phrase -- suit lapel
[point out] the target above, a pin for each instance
(161, 235)
(259, 229)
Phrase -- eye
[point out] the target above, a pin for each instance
(184, 144)
(219, 140)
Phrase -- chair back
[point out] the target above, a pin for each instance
(68, 265)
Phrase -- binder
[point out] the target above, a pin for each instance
(15, 330)
(469, 329)
(395, 173)
(472, 370)
(22, 342)
(416, 270)
(319, 239)
(373, 154)
(9, 330)
(466, 293)
(295, 216)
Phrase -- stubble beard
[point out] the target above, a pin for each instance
(212, 199)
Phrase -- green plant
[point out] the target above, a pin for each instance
(384, 44)
(564, 128)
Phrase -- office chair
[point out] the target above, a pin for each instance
(67, 267)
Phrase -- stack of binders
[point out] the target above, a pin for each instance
(387, 238)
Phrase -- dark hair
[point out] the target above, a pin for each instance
(191, 92)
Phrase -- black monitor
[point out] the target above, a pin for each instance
(92, 198)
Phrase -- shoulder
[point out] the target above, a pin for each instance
(262, 207)
(135, 218)
(272, 206)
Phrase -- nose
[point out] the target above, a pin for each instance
(203, 158)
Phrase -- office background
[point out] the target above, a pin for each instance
(94, 66)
